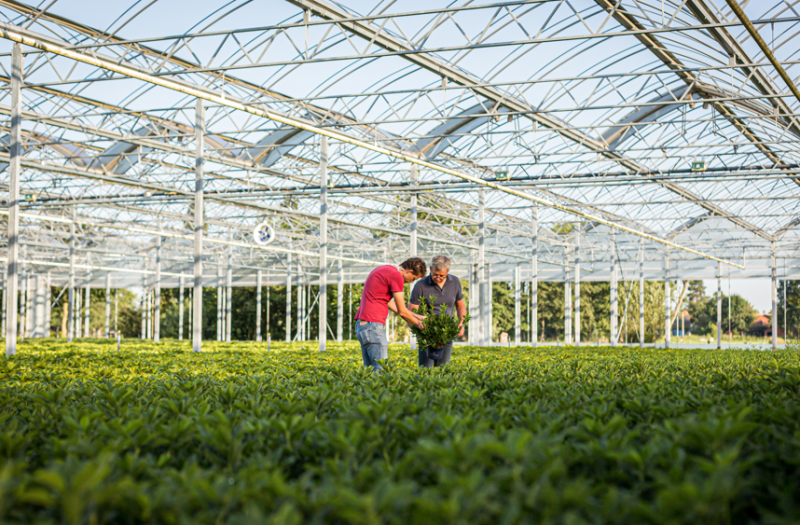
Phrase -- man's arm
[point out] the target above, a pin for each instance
(404, 312)
(461, 309)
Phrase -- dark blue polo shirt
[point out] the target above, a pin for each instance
(447, 295)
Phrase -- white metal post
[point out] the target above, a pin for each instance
(773, 260)
(567, 299)
(517, 306)
(487, 329)
(180, 308)
(107, 331)
(71, 289)
(483, 313)
(157, 299)
(289, 295)
(258, 306)
(614, 296)
(197, 289)
(577, 307)
(641, 293)
(412, 340)
(229, 296)
(5, 300)
(219, 301)
(667, 303)
(15, 151)
(87, 305)
(534, 276)
(323, 244)
(719, 306)
(340, 304)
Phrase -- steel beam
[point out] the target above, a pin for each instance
(12, 268)
(197, 294)
(323, 244)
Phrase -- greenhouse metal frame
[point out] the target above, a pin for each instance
(531, 140)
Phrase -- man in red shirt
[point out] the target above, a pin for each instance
(383, 290)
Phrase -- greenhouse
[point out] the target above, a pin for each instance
(196, 193)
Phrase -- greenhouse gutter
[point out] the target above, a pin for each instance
(28, 38)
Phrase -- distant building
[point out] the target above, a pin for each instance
(762, 326)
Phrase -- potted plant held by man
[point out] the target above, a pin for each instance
(438, 329)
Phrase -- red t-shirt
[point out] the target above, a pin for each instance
(381, 283)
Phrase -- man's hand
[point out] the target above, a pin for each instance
(461, 332)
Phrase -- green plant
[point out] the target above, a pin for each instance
(438, 329)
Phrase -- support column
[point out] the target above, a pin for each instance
(340, 304)
(774, 296)
(487, 329)
(107, 331)
(323, 244)
(474, 294)
(289, 296)
(144, 308)
(577, 308)
(15, 151)
(180, 308)
(258, 306)
(667, 303)
(116, 311)
(5, 300)
(87, 305)
(269, 338)
(197, 293)
(157, 299)
(535, 275)
(71, 289)
(483, 313)
(567, 299)
(228, 297)
(517, 306)
(219, 301)
(412, 340)
(719, 306)
(614, 297)
(641, 293)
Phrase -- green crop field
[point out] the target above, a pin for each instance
(157, 434)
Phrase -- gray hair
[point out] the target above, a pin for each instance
(440, 262)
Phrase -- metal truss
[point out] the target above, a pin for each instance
(588, 111)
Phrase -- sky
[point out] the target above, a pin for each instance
(755, 291)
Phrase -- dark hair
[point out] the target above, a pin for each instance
(416, 265)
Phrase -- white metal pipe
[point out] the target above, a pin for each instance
(197, 289)
(340, 304)
(157, 299)
(517, 306)
(13, 200)
(289, 297)
(86, 306)
(258, 306)
(228, 298)
(667, 302)
(719, 306)
(483, 313)
(641, 294)
(577, 307)
(534, 275)
(774, 264)
(180, 308)
(567, 299)
(614, 296)
(107, 329)
(323, 244)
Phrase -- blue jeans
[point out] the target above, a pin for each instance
(428, 363)
(374, 345)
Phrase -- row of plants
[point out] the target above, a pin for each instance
(236, 434)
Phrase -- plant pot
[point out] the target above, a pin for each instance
(435, 353)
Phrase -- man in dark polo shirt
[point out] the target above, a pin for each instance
(446, 291)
